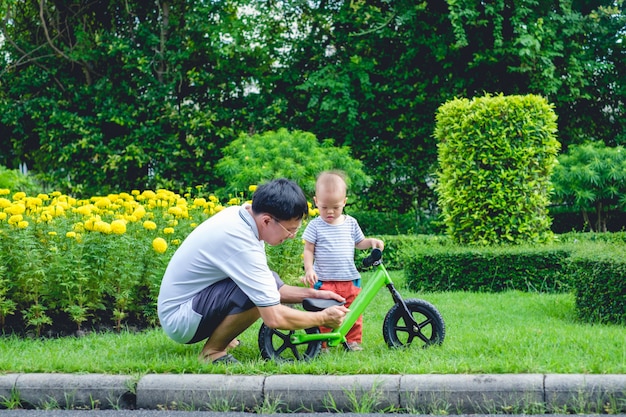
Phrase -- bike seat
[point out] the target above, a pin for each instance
(319, 304)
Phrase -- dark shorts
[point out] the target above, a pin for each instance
(216, 302)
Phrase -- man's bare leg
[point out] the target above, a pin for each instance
(223, 336)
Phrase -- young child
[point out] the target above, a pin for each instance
(329, 245)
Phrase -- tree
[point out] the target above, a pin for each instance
(299, 156)
(592, 178)
(106, 95)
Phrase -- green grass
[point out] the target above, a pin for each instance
(511, 332)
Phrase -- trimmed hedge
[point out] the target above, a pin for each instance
(491, 269)
(599, 277)
(593, 267)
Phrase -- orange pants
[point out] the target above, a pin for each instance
(349, 291)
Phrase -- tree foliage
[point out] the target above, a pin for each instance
(104, 95)
(496, 155)
(592, 178)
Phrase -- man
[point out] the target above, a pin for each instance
(218, 282)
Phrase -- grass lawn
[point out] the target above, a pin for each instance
(510, 332)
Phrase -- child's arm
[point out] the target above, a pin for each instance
(370, 243)
(310, 277)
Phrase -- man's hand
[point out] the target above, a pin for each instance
(334, 316)
(328, 295)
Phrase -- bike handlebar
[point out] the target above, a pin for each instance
(374, 256)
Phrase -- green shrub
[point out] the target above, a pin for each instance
(599, 277)
(591, 178)
(13, 179)
(491, 269)
(386, 223)
(495, 157)
(296, 155)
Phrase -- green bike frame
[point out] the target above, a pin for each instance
(337, 336)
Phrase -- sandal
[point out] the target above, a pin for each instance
(226, 359)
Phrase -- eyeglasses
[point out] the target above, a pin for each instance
(290, 233)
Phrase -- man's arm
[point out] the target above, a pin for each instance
(290, 294)
(287, 318)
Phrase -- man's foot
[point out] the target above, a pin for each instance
(233, 344)
(354, 346)
(226, 359)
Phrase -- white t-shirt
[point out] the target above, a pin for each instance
(334, 248)
(224, 246)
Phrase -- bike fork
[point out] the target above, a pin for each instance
(408, 317)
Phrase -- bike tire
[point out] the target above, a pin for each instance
(431, 328)
(276, 345)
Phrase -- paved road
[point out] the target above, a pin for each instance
(156, 413)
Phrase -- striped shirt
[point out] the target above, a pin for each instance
(334, 248)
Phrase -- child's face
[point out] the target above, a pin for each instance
(330, 205)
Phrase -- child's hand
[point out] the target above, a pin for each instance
(377, 243)
(310, 278)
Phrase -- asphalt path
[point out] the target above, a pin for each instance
(166, 413)
(180, 413)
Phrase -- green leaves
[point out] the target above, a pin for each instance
(495, 156)
(299, 156)
(592, 178)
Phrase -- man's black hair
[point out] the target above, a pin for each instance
(281, 198)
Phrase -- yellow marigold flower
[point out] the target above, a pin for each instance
(3, 215)
(149, 194)
(33, 202)
(56, 194)
(168, 230)
(149, 225)
(43, 197)
(314, 212)
(79, 227)
(176, 242)
(213, 198)
(102, 227)
(199, 202)
(23, 224)
(193, 225)
(88, 225)
(218, 208)
(118, 227)
(57, 210)
(16, 208)
(102, 203)
(85, 210)
(52, 233)
(135, 192)
(252, 188)
(71, 235)
(139, 212)
(20, 195)
(45, 216)
(5, 191)
(175, 211)
(4, 203)
(15, 219)
(159, 244)
(233, 201)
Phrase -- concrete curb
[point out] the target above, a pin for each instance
(428, 394)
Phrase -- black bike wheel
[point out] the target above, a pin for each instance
(276, 345)
(430, 327)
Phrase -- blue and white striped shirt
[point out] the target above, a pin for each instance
(334, 248)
